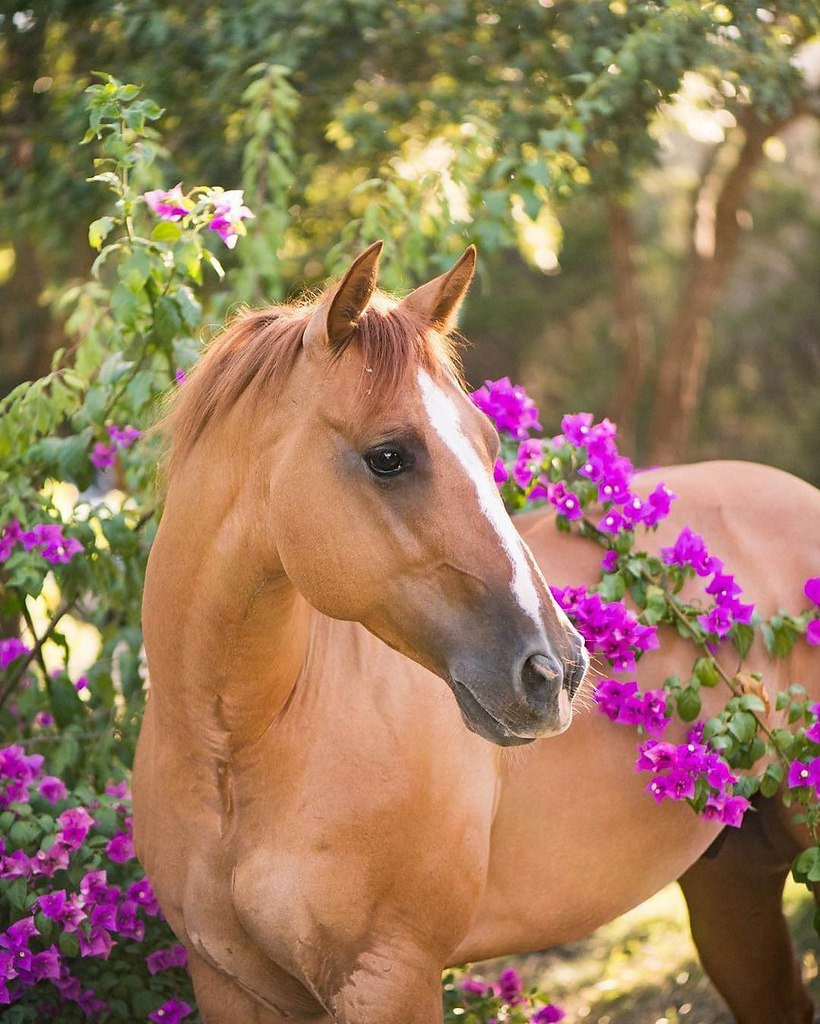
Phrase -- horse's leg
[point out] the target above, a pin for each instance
(736, 915)
(381, 990)
(222, 1001)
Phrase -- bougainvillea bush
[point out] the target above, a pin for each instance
(81, 935)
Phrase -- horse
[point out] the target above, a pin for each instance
(356, 766)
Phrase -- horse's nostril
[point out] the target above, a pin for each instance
(540, 676)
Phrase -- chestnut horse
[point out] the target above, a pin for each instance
(325, 825)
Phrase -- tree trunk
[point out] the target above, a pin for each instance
(714, 237)
(630, 320)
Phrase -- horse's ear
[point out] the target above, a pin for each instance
(338, 315)
(439, 301)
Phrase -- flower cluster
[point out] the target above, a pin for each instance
(509, 406)
(812, 591)
(72, 915)
(607, 627)
(621, 702)
(690, 770)
(11, 649)
(689, 551)
(47, 538)
(506, 999)
(102, 455)
(804, 771)
(223, 211)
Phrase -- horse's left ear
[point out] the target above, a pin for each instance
(439, 301)
(338, 315)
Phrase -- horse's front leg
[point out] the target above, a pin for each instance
(388, 987)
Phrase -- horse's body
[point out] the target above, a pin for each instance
(325, 835)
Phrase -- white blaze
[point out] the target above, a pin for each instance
(446, 422)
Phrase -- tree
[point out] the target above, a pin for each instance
(430, 125)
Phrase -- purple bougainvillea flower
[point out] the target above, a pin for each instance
(500, 474)
(813, 632)
(167, 204)
(609, 563)
(121, 848)
(75, 824)
(123, 437)
(165, 959)
(804, 774)
(171, 1012)
(11, 649)
(565, 502)
(549, 1014)
(10, 536)
(229, 212)
(142, 893)
(510, 986)
(812, 589)
(52, 788)
(53, 545)
(101, 456)
(690, 549)
(613, 522)
(509, 406)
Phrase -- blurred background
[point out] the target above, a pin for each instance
(641, 180)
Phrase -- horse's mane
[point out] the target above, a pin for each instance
(258, 347)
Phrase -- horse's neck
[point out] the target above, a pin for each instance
(225, 630)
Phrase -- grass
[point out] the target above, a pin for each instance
(643, 969)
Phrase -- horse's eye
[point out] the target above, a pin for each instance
(386, 460)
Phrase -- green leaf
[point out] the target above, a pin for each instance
(68, 943)
(167, 319)
(65, 701)
(806, 867)
(656, 605)
(743, 726)
(166, 231)
(742, 636)
(689, 704)
(98, 231)
(612, 587)
(772, 777)
(706, 672)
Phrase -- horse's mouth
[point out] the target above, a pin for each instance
(479, 720)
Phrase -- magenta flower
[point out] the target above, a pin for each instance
(510, 986)
(229, 212)
(549, 1014)
(609, 563)
(804, 774)
(11, 649)
(10, 536)
(75, 824)
(690, 550)
(500, 474)
(121, 848)
(565, 502)
(813, 633)
(102, 456)
(508, 406)
(123, 437)
(812, 589)
(142, 893)
(54, 547)
(576, 428)
(175, 956)
(181, 376)
(168, 204)
(17, 771)
(52, 788)
(171, 1012)
(613, 522)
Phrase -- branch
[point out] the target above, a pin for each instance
(35, 652)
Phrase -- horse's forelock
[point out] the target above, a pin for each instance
(257, 350)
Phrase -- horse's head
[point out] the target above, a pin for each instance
(385, 509)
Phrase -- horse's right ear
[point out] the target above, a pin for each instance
(337, 316)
